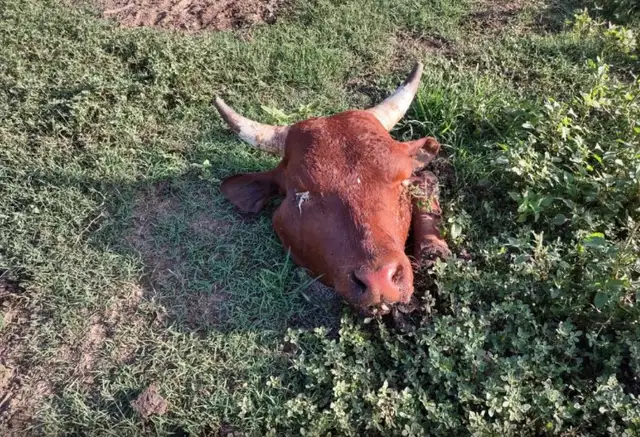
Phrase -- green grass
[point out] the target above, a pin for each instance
(136, 271)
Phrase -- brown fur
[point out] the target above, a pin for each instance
(346, 214)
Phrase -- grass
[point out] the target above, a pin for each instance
(133, 270)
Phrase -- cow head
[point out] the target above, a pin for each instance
(346, 211)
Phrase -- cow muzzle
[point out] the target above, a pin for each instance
(385, 284)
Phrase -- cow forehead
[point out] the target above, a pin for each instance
(350, 150)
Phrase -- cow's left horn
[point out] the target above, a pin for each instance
(263, 136)
(392, 109)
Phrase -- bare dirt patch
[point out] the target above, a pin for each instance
(229, 431)
(22, 387)
(149, 403)
(168, 261)
(126, 315)
(190, 15)
(410, 46)
(444, 171)
(90, 346)
(492, 16)
(151, 208)
(206, 226)
(85, 353)
(203, 310)
(25, 383)
(366, 91)
(155, 205)
(102, 327)
(19, 401)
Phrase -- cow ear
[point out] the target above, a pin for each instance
(249, 191)
(423, 150)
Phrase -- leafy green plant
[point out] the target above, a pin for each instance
(539, 333)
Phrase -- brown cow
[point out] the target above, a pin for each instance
(350, 198)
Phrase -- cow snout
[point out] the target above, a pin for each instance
(389, 283)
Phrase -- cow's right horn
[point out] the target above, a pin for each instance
(263, 136)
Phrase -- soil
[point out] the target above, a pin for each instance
(21, 386)
(102, 326)
(152, 207)
(492, 16)
(444, 171)
(229, 431)
(205, 226)
(150, 402)
(204, 310)
(190, 15)
(90, 346)
(413, 45)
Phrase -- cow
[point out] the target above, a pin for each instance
(352, 194)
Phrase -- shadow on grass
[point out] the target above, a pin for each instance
(554, 15)
(208, 265)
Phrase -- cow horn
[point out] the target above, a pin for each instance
(263, 136)
(392, 109)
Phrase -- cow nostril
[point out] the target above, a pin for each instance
(398, 275)
(360, 286)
